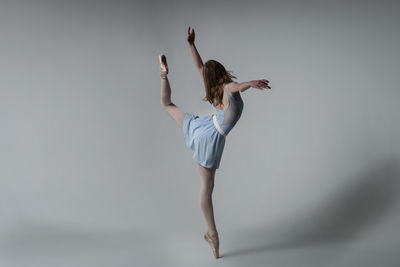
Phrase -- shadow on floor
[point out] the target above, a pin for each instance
(342, 217)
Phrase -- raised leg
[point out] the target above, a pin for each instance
(174, 111)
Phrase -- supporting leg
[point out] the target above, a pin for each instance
(207, 186)
(207, 176)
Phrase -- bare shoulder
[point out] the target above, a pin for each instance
(233, 88)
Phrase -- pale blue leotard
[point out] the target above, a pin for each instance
(203, 138)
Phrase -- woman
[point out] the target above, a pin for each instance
(206, 135)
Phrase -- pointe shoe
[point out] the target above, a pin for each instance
(163, 64)
(214, 243)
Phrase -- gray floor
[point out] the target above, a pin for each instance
(56, 246)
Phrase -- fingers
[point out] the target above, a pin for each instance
(264, 84)
(189, 31)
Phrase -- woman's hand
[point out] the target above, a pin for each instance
(260, 84)
(190, 36)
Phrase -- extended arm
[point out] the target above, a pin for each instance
(241, 87)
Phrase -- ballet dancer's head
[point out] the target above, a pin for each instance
(215, 77)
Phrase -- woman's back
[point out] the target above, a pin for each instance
(228, 117)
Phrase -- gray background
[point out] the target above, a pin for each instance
(95, 173)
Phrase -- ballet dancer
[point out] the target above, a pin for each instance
(206, 135)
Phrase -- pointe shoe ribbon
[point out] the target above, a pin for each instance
(213, 241)
(163, 64)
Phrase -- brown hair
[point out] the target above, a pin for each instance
(215, 76)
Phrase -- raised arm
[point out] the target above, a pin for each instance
(241, 87)
(195, 54)
(196, 57)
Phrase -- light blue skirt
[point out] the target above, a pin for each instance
(202, 137)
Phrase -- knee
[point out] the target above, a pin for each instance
(208, 188)
(165, 104)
